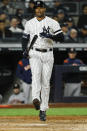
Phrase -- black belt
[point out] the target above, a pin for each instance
(42, 50)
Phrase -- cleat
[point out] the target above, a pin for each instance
(42, 115)
(36, 103)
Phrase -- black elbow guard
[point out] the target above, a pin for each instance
(25, 40)
(59, 37)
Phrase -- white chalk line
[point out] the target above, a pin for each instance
(25, 124)
(85, 129)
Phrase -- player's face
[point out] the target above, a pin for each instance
(16, 91)
(40, 11)
(72, 55)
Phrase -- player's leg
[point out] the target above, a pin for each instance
(36, 67)
(26, 89)
(76, 89)
(72, 89)
(46, 75)
(66, 89)
(30, 95)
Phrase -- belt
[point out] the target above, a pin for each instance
(43, 50)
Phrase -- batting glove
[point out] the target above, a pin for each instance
(45, 35)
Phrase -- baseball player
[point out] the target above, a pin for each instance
(41, 54)
(72, 80)
(23, 72)
(17, 97)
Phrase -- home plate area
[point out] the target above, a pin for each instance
(53, 123)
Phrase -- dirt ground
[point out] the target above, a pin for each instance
(53, 123)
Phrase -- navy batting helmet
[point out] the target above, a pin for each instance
(39, 4)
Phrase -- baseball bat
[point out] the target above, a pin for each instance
(32, 42)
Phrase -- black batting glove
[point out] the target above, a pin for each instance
(45, 35)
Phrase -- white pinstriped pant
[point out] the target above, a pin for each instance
(41, 67)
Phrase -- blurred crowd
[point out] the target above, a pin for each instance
(15, 13)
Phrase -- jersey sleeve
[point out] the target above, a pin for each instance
(26, 36)
(26, 30)
(66, 62)
(56, 28)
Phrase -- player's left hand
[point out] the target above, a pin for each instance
(45, 35)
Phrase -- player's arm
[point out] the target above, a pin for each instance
(25, 40)
(19, 70)
(58, 37)
(66, 62)
(25, 37)
(58, 34)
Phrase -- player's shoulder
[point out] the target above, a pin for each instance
(51, 20)
(78, 60)
(20, 63)
(30, 21)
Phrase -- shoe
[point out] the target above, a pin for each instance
(36, 103)
(42, 115)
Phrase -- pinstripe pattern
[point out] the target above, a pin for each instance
(41, 63)
(41, 67)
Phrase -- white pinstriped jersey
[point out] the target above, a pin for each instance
(35, 27)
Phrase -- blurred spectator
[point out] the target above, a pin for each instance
(3, 16)
(4, 32)
(1, 98)
(83, 34)
(72, 80)
(73, 37)
(17, 97)
(23, 72)
(20, 17)
(6, 7)
(83, 18)
(13, 28)
(70, 23)
(26, 3)
(30, 9)
(61, 16)
(64, 27)
(55, 18)
(57, 6)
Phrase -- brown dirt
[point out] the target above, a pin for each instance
(53, 123)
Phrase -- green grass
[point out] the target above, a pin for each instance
(51, 111)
